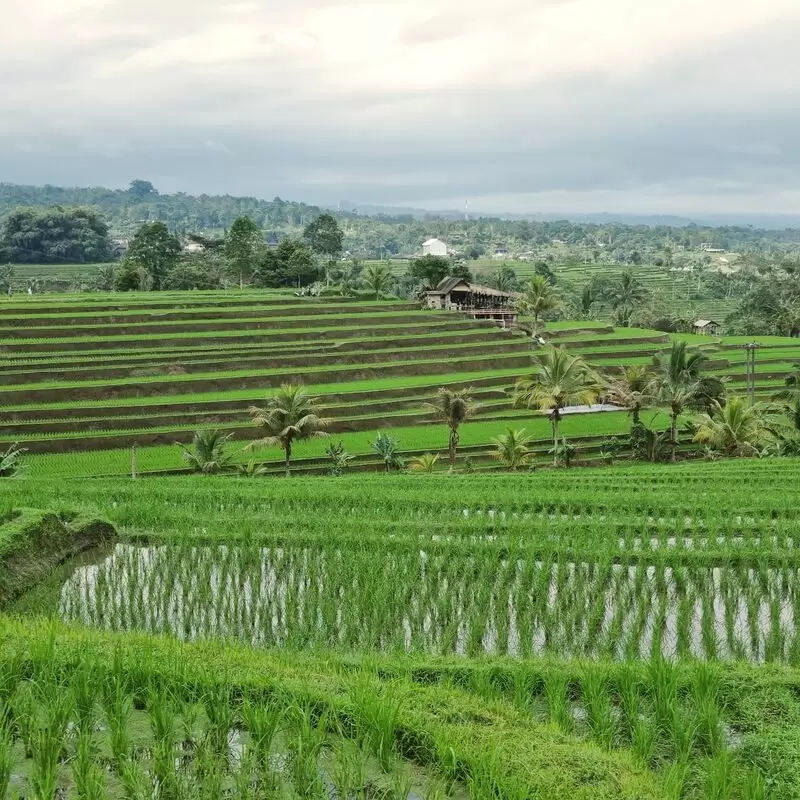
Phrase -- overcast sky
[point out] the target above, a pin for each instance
(673, 106)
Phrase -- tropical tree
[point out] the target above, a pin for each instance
(425, 463)
(243, 243)
(290, 415)
(338, 458)
(155, 250)
(587, 300)
(736, 428)
(10, 461)
(511, 448)
(624, 296)
(387, 448)
(505, 279)
(788, 399)
(679, 384)
(539, 299)
(563, 452)
(325, 238)
(377, 278)
(251, 469)
(559, 379)
(453, 408)
(430, 270)
(630, 390)
(207, 453)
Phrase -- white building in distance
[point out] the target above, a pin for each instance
(434, 247)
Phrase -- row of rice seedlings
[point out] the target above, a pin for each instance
(208, 745)
(444, 601)
(670, 726)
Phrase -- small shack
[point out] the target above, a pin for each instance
(706, 327)
(479, 302)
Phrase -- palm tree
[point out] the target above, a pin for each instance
(559, 379)
(425, 463)
(290, 415)
(207, 453)
(377, 278)
(539, 299)
(629, 390)
(678, 383)
(452, 408)
(735, 428)
(511, 448)
(625, 296)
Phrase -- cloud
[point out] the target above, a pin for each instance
(519, 102)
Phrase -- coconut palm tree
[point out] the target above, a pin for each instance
(538, 300)
(630, 389)
(289, 416)
(736, 428)
(559, 379)
(679, 384)
(452, 408)
(377, 278)
(207, 453)
(511, 448)
(625, 295)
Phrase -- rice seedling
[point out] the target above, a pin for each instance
(87, 774)
(6, 756)
(378, 712)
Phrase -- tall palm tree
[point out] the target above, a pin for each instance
(735, 428)
(538, 299)
(625, 295)
(207, 453)
(679, 384)
(559, 379)
(290, 415)
(630, 390)
(452, 408)
(511, 448)
(377, 278)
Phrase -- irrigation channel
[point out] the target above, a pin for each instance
(442, 602)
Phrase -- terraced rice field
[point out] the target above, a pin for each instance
(100, 375)
(627, 632)
(88, 377)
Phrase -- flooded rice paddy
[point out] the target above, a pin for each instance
(441, 602)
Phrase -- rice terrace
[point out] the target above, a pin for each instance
(262, 542)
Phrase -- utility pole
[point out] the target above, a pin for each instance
(750, 369)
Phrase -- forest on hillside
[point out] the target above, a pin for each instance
(125, 210)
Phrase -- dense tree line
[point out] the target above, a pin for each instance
(372, 236)
(54, 236)
(126, 209)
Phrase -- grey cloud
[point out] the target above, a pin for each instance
(90, 108)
